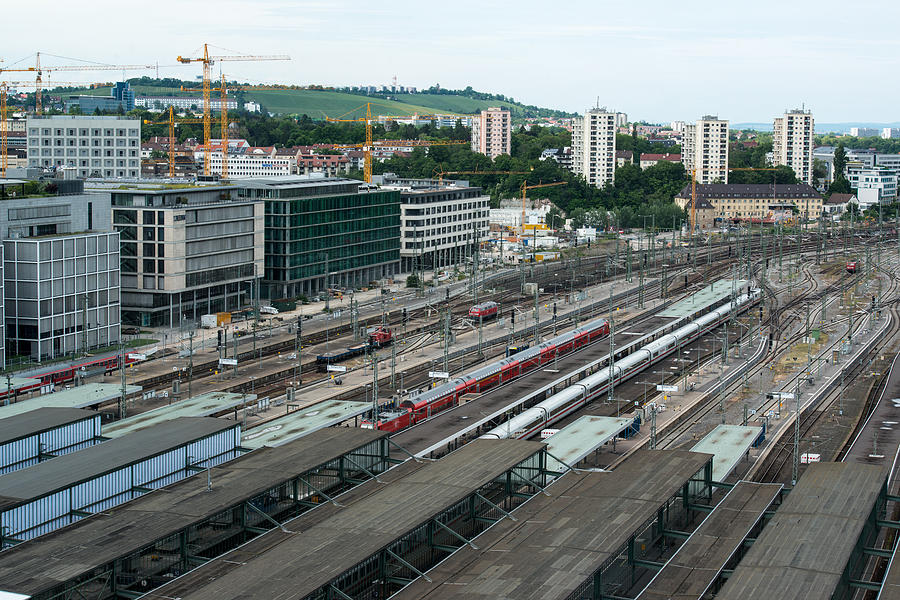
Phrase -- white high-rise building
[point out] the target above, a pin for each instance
(704, 147)
(793, 143)
(492, 132)
(594, 146)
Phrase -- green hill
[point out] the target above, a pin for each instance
(318, 104)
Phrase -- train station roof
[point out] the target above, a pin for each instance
(204, 405)
(81, 396)
(728, 444)
(40, 420)
(299, 423)
(575, 441)
(706, 297)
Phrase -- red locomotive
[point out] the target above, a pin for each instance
(851, 267)
(446, 395)
(484, 311)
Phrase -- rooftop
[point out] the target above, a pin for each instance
(303, 422)
(575, 441)
(204, 405)
(81, 396)
(40, 420)
(706, 296)
(728, 444)
(68, 470)
(37, 566)
(803, 551)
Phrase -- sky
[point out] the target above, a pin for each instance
(655, 60)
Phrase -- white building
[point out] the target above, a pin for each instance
(864, 131)
(182, 103)
(873, 186)
(705, 148)
(793, 143)
(677, 126)
(253, 107)
(492, 132)
(247, 165)
(594, 146)
(621, 119)
(890, 133)
(94, 146)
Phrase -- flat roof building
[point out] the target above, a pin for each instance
(44, 433)
(594, 147)
(705, 149)
(793, 142)
(325, 233)
(492, 132)
(94, 146)
(186, 250)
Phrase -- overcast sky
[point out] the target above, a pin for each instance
(656, 60)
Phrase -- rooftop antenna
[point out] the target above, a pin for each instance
(598, 102)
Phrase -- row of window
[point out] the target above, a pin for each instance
(84, 131)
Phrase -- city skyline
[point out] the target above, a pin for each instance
(657, 61)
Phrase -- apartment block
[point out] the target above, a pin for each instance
(194, 103)
(793, 143)
(186, 251)
(94, 146)
(705, 149)
(594, 146)
(248, 165)
(492, 132)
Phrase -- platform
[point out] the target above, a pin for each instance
(574, 442)
(45, 433)
(299, 423)
(559, 543)
(708, 296)
(107, 542)
(698, 563)
(204, 405)
(804, 550)
(82, 396)
(334, 552)
(728, 444)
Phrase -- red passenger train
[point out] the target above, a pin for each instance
(447, 395)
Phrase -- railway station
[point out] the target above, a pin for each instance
(570, 445)
(88, 395)
(381, 535)
(44, 433)
(134, 547)
(621, 517)
(205, 405)
(49, 495)
(730, 444)
(302, 422)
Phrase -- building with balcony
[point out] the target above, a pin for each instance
(792, 143)
(492, 132)
(704, 148)
(594, 146)
(323, 232)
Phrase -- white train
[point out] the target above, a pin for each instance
(572, 398)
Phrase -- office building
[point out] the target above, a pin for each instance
(249, 165)
(864, 131)
(492, 132)
(121, 98)
(873, 186)
(186, 251)
(325, 233)
(766, 202)
(440, 225)
(93, 146)
(704, 148)
(792, 143)
(194, 103)
(594, 146)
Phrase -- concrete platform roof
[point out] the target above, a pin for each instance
(708, 296)
(82, 396)
(306, 561)
(728, 444)
(204, 405)
(558, 542)
(40, 420)
(302, 422)
(575, 441)
(37, 566)
(803, 551)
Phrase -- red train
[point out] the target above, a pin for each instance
(851, 267)
(484, 311)
(64, 375)
(447, 395)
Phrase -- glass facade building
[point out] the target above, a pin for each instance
(325, 232)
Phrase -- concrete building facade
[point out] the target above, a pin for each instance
(182, 103)
(742, 201)
(875, 185)
(325, 233)
(492, 132)
(705, 148)
(186, 252)
(94, 146)
(793, 142)
(248, 165)
(594, 146)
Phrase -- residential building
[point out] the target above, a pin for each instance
(705, 149)
(194, 103)
(705, 215)
(492, 132)
(186, 250)
(889, 133)
(742, 201)
(121, 97)
(876, 185)
(837, 204)
(253, 107)
(249, 165)
(325, 232)
(94, 146)
(440, 224)
(649, 160)
(792, 143)
(624, 157)
(331, 165)
(594, 145)
(621, 119)
(562, 156)
(864, 132)
(61, 269)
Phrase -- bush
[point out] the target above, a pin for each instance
(412, 281)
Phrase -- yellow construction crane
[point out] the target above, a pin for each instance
(207, 60)
(526, 187)
(694, 188)
(369, 145)
(171, 122)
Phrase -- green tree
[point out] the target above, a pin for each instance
(840, 160)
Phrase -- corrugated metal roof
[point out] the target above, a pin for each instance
(39, 420)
